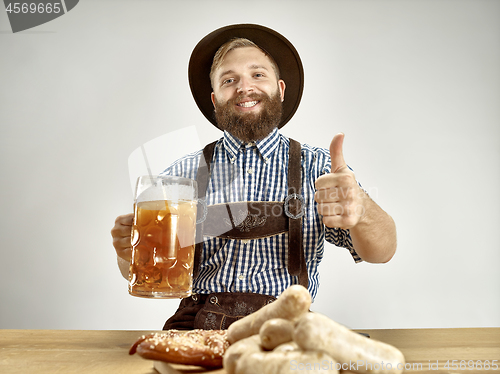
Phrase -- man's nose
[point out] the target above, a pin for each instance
(245, 86)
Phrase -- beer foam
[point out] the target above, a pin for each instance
(171, 192)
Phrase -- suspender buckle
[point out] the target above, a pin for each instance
(297, 206)
(202, 216)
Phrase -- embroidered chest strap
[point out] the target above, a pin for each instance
(250, 220)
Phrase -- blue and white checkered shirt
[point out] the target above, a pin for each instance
(259, 172)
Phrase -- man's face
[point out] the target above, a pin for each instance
(247, 94)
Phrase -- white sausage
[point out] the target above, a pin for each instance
(318, 332)
(293, 303)
(241, 347)
(289, 362)
(287, 347)
(274, 332)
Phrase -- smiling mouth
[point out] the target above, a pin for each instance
(248, 104)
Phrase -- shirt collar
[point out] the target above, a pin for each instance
(265, 146)
(231, 144)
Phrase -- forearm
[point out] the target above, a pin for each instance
(374, 236)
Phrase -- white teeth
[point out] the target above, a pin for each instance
(248, 104)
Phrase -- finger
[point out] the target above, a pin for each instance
(125, 220)
(121, 231)
(343, 181)
(122, 243)
(123, 225)
(125, 254)
(330, 209)
(340, 221)
(336, 153)
(123, 248)
(328, 195)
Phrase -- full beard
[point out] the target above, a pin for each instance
(249, 127)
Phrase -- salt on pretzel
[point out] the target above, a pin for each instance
(195, 347)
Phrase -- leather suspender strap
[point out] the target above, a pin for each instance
(202, 178)
(294, 209)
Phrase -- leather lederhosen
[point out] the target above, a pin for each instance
(242, 220)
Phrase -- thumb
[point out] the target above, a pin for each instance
(336, 153)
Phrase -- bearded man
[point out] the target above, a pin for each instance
(247, 95)
(248, 80)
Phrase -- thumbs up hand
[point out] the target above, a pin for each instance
(339, 197)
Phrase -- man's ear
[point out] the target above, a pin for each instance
(281, 87)
(212, 97)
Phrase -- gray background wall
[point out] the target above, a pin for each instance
(415, 86)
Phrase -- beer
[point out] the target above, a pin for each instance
(163, 239)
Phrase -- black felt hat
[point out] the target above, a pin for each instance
(273, 43)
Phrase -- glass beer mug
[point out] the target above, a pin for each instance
(163, 237)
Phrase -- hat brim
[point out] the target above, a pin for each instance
(275, 44)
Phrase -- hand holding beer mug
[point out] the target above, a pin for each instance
(163, 237)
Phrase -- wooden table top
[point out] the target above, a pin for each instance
(103, 351)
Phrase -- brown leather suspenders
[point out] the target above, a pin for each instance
(252, 223)
(294, 209)
(202, 178)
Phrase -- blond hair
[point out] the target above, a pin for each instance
(234, 44)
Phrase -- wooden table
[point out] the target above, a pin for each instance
(75, 351)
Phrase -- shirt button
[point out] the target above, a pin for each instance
(245, 241)
(266, 160)
(241, 277)
(250, 171)
(232, 160)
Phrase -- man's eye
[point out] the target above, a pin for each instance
(259, 75)
(228, 81)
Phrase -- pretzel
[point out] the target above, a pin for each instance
(195, 347)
